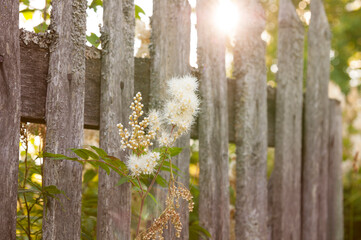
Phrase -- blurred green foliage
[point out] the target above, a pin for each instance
(346, 36)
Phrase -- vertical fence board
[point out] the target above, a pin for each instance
(117, 89)
(9, 115)
(64, 117)
(285, 193)
(335, 187)
(170, 51)
(314, 173)
(251, 124)
(213, 124)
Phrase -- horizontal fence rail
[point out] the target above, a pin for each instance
(34, 69)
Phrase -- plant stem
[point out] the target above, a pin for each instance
(151, 184)
(141, 188)
(146, 194)
(140, 215)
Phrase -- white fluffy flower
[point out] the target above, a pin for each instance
(154, 120)
(183, 105)
(135, 164)
(164, 139)
(183, 85)
(144, 164)
(150, 162)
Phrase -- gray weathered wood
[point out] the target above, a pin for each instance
(117, 88)
(170, 49)
(251, 124)
(65, 117)
(9, 115)
(335, 187)
(315, 166)
(34, 69)
(212, 125)
(285, 192)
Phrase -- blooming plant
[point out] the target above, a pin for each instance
(164, 126)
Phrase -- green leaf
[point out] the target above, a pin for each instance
(95, 3)
(52, 189)
(138, 10)
(89, 175)
(27, 13)
(167, 164)
(23, 190)
(26, 2)
(174, 151)
(81, 153)
(93, 39)
(167, 169)
(91, 154)
(58, 156)
(152, 197)
(195, 228)
(117, 170)
(103, 166)
(115, 162)
(136, 189)
(161, 181)
(123, 180)
(99, 151)
(42, 27)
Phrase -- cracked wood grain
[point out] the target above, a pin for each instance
(335, 186)
(170, 49)
(65, 117)
(212, 125)
(285, 182)
(315, 154)
(9, 116)
(251, 124)
(116, 94)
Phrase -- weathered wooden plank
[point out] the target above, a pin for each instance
(34, 57)
(212, 125)
(170, 49)
(315, 158)
(116, 94)
(9, 116)
(285, 182)
(335, 187)
(65, 117)
(251, 124)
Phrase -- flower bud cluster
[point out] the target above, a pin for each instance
(155, 231)
(138, 140)
(177, 193)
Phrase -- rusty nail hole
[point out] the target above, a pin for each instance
(1, 58)
(121, 85)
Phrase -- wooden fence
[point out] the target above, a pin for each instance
(53, 78)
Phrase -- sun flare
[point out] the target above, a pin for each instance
(226, 16)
